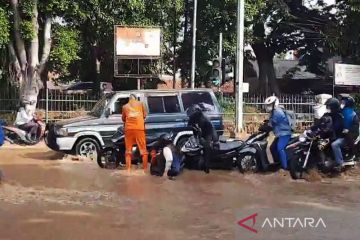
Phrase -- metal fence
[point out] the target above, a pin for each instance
(61, 105)
(254, 109)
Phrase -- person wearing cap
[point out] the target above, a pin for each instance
(133, 116)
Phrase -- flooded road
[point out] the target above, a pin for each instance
(46, 196)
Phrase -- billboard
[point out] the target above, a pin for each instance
(347, 74)
(136, 42)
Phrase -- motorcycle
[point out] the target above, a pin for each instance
(114, 156)
(256, 152)
(15, 135)
(310, 150)
(247, 155)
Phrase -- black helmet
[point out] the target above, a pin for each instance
(195, 108)
(333, 105)
(347, 100)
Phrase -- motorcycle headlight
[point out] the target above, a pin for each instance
(302, 138)
(62, 132)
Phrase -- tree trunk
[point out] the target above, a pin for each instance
(182, 62)
(262, 84)
(25, 68)
(29, 94)
(274, 85)
(267, 76)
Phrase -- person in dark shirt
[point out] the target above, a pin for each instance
(209, 138)
(337, 137)
(351, 120)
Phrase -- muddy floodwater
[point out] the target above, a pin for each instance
(44, 195)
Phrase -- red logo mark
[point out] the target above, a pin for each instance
(242, 223)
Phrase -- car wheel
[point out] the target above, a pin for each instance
(89, 148)
(181, 142)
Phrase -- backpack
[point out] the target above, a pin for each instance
(157, 166)
(291, 116)
(2, 134)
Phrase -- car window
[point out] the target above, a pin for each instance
(119, 105)
(99, 107)
(163, 104)
(203, 99)
(171, 104)
(81, 86)
(156, 105)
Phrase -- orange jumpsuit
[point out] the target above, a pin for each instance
(133, 116)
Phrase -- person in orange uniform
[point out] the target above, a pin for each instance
(133, 116)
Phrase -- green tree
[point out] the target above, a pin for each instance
(343, 36)
(27, 35)
(97, 31)
(271, 27)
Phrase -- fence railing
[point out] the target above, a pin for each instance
(62, 105)
(254, 109)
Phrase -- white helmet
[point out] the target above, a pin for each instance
(271, 103)
(322, 98)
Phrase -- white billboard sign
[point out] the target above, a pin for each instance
(137, 42)
(347, 74)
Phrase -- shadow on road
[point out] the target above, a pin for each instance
(49, 155)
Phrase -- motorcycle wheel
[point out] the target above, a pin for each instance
(295, 166)
(109, 158)
(248, 163)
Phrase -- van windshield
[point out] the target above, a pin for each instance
(99, 107)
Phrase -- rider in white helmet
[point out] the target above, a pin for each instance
(320, 106)
(281, 128)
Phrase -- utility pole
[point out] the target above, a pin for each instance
(175, 36)
(240, 65)
(220, 60)
(193, 60)
(220, 47)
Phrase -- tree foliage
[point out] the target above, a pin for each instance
(82, 33)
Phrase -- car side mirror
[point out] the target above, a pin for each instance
(107, 112)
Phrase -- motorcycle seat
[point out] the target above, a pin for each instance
(228, 146)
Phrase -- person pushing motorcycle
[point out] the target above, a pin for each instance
(209, 138)
(280, 125)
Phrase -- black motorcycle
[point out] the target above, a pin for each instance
(256, 152)
(310, 150)
(247, 155)
(113, 156)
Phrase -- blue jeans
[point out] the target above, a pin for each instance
(336, 148)
(278, 150)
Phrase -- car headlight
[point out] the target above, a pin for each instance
(62, 132)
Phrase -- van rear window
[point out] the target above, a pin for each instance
(203, 99)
